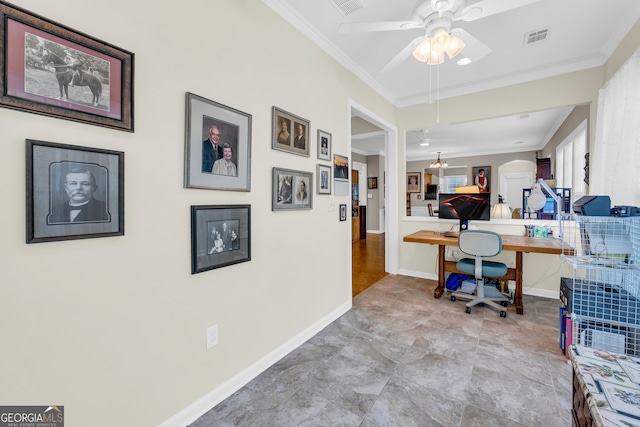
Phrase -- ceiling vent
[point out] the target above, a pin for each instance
(347, 7)
(535, 37)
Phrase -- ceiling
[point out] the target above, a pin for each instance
(581, 34)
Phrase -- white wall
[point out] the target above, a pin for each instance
(121, 321)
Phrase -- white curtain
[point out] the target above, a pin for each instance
(615, 160)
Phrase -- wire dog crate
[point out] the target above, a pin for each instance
(604, 292)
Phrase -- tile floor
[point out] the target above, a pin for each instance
(400, 357)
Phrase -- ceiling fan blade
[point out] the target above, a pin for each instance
(484, 8)
(402, 55)
(362, 27)
(474, 49)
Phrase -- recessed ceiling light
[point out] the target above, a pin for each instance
(464, 61)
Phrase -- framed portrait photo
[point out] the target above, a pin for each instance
(73, 192)
(340, 168)
(372, 183)
(323, 173)
(324, 145)
(291, 190)
(220, 236)
(50, 69)
(482, 178)
(217, 146)
(413, 182)
(343, 212)
(290, 133)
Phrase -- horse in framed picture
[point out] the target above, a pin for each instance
(64, 73)
(84, 78)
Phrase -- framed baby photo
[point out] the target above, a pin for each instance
(323, 173)
(290, 133)
(291, 190)
(73, 192)
(220, 236)
(324, 145)
(217, 146)
(50, 69)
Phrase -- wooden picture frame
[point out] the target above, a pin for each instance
(220, 236)
(290, 133)
(475, 171)
(208, 121)
(372, 183)
(73, 192)
(324, 145)
(39, 58)
(291, 190)
(413, 182)
(343, 212)
(323, 183)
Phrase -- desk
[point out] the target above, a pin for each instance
(519, 244)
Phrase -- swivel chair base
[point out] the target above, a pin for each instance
(485, 295)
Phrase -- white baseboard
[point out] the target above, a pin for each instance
(375, 231)
(201, 406)
(420, 274)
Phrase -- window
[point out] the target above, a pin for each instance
(453, 181)
(570, 161)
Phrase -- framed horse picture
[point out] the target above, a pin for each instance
(50, 69)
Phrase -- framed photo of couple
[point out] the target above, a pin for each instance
(291, 190)
(50, 69)
(217, 146)
(73, 192)
(220, 236)
(290, 133)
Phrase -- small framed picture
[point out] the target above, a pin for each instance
(290, 133)
(324, 179)
(482, 178)
(50, 69)
(372, 183)
(73, 192)
(413, 182)
(220, 236)
(324, 145)
(217, 146)
(340, 168)
(291, 190)
(343, 212)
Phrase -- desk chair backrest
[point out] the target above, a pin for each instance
(480, 243)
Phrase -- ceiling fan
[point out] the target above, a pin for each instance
(421, 138)
(436, 17)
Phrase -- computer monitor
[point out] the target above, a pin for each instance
(465, 207)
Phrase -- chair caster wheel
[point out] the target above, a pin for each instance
(453, 297)
(504, 303)
(468, 310)
(503, 314)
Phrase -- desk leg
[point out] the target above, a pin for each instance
(518, 301)
(437, 293)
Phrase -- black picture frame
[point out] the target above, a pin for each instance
(286, 127)
(233, 127)
(220, 236)
(287, 192)
(40, 57)
(343, 212)
(372, 183)
(53, 171)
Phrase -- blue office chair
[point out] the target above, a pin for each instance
(479, 244)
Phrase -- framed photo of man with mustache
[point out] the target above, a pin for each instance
(73, 192)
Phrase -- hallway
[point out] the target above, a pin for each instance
(367, 262)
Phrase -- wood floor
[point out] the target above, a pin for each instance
(368, 262)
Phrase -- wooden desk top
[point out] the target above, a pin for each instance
(509, 242)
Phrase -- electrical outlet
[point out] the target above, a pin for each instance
(212, 336)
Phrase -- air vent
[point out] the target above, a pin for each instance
(535, 37)
(523, 116)
(347, 7)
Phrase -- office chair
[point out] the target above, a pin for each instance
(479, 244)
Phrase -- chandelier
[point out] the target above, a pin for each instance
(438, 163)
